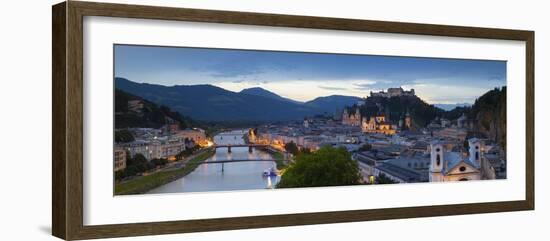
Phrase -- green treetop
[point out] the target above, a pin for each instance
(326, 167)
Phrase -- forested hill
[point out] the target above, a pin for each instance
(150, 116)
(396, 107)
(489, 115)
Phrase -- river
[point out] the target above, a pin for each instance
(235, 175)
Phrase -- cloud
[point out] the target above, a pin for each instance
(448, 94)
(371, 85)
(363, 86)
(332, 87)
(497, 78)
(234, 72)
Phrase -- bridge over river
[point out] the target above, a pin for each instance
(236, 165)
(236, 160)
(243, 160)
(250, 146)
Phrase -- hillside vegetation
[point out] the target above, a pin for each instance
(396, 107)
(489, 115)
(150, 116)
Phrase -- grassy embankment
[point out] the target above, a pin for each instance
(279, 160)
(277, 156)
(145, 183)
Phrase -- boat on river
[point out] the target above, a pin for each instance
(271, 172)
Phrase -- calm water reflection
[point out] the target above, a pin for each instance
(235, 176)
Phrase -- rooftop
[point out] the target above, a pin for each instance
(404, 174)
(453, 159)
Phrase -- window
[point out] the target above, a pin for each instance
(477, 156)
(462, 169)
(438, 159)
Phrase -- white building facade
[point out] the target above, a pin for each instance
(455, 166)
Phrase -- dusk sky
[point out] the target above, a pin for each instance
(305, 76)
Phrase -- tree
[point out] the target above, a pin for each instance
(187, 152)
(137, 164)
(291, 147)
(136, 160)
(119, 175)
(305, 150)
(328, 166)
(159, 162)
(122, 136)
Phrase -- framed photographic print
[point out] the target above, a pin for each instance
(171, 120)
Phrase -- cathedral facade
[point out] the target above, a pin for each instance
(377, 124)
(351, 119)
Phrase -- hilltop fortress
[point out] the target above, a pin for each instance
(393, 92)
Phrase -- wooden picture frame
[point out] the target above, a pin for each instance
(67, 152)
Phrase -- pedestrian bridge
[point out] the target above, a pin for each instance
(240, 145)
(229, 146)
(239, 160)
(236, 160)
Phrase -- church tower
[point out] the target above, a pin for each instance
(364, 124)
(436, 162)
(408, 121)
(345, 116)
(475, 145)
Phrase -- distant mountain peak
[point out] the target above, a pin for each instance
(333, 103)
(448, 107)
(337, 97)
(259, 91)
(256, 89)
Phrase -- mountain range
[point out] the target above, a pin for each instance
(449, 107)
(212, 103)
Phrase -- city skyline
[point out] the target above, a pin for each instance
(288, 74)
(184, 124)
